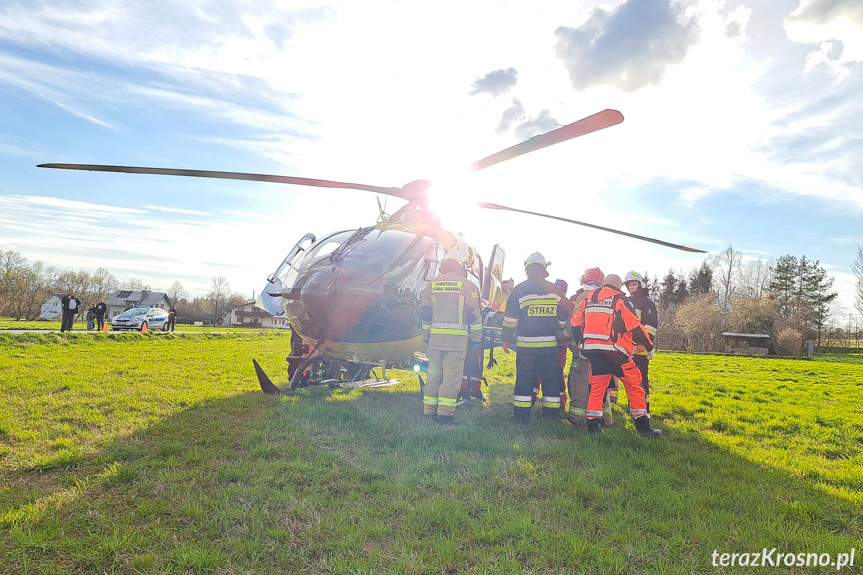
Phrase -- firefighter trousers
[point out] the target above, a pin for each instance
(579, 393)
(440, 392)
(530, 367)
(604, 365)
(643, 365)
(471, 380)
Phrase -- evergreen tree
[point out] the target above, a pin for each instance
(783, 283)
(666, 289)
(701, 279)
(818, 294)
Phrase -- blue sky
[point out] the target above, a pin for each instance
(743, 126)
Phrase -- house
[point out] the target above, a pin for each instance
(248, 314)
(124, 299)
(53, 307)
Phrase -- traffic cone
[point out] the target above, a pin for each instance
(105, 326)
(144, 327)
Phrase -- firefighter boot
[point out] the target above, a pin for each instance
(447, 420)
(642, 424)
(594, 425)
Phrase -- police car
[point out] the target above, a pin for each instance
(135, 318)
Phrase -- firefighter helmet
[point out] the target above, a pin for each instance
(537, 259)
(592, 276)
(453, 262)
(455, 256)
(634, 277)
(562, 285)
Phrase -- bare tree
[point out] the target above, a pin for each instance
(755, 277)
(726, 266)
(103, 284)
(176, 292)
(134, 284)
(11, 266)
(857, 268)
(701, 317)
(220, 292)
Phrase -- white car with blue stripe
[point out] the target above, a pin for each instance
(135, 318)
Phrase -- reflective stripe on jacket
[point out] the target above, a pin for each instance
(605, 321)
(535, 312)
(455, 316)
(645, 311)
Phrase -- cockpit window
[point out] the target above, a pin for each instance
(322, 248)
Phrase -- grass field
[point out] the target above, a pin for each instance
(54, 325)
(159, 454)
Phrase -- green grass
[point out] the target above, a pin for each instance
(54, 324)
(130, 454)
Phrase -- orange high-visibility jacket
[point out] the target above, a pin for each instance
(603, 322)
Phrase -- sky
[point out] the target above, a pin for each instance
(743, 127)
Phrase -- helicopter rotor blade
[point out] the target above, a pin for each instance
(598, 121)
(594, 226)
(398, 192)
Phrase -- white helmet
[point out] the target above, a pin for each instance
(536, 258)
(539, 259)
(634, 277)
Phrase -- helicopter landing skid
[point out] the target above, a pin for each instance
(365, 383)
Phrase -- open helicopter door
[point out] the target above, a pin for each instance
(284, 276)
(491, 285)
(492, 295)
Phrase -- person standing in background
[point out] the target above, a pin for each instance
(91, 315)
(71, 307)
(101, 310)
(172, 318)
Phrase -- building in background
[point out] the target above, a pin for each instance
(53, 307)
(125, 299)
(248, 314)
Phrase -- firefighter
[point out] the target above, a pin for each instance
(471, 379)
(579, 368)
(607, 330)
(562, 346)
(645, 311)
(451, 323)
(535, 314)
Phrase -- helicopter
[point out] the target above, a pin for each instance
(353, 296)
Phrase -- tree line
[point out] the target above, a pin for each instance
(25, 286)
(790, 299)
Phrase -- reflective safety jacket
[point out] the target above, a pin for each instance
(604, 322)
(645, 311)
(450, 313)
(535, 312)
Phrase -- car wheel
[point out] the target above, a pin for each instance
(165, 326)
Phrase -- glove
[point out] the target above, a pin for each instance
(650, 353)
(505, 347)
(474, 346)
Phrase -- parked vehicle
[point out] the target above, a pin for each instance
(136, 318)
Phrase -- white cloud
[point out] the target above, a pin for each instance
(836, 26)
(177, 210)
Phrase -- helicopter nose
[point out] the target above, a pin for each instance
(316, 295)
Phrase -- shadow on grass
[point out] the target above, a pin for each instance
(329, 481)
